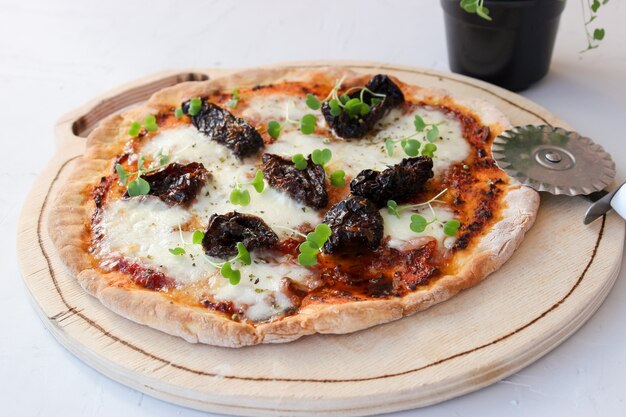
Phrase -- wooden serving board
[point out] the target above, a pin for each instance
(551, 286)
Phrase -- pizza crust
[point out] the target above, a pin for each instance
(71, 215)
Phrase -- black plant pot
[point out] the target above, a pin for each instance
(513, 50)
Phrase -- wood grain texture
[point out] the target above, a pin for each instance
(550, 287)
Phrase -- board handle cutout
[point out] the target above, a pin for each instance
(79, 123)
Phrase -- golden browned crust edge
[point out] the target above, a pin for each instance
(71, 212)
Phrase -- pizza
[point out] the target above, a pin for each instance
(276, 203)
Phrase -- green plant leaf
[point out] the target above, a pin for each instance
(323, 230)
(197, 237)
(233, 275)
(138, 187)
(135, 128)
(312, 102)
(150, 123)
(178, 113)
(392, 206)
(419, 124)
(429, 150)
(321, 156)
(299, 161)
(274, 128)
(451, 227)
(390, 144)
(598, 34)
(232, 103)
(337, 178)
(258, 182)
(418, 223)
(307, 124)
(242, 254)
(195, 105)
(433, 134)
(335, 108)
(411, 147)
(121, 173)
(177, 251)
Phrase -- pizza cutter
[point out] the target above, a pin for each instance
(557, 161)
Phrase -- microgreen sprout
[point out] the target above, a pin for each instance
(410, 145)
(241, 197)
(149, 123)
(195, 105)
(313, 244)
(234, 100)
(354, 107)
(321, 156)
(312, 102)
(135, 185)
(178, 112)
(274, 128)
(299, 161)
(418, 222)
(338, 178)
(307, 124)
(226, 267)
(196, 239)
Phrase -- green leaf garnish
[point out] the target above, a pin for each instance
(150, 123)
(299, 161)
(429, 150)
(274, 128)
(419, 123)
(433, 133)
(242, 254)
(335, 108)
(321, 156)
(374, 101)
(307, 124)
(232, 103)
(313, 244)
(162, 158)
(337, 178)
(392, 206)
(313, 102)
(411, 147)
(233, 275)
(197, 237)
(240, 197)
(177, 251)
(178, 113)
(418, 223)
(451, 227)
(258, 182)
(138, 187)
(135, 128)
(389, 146)
(121, 173)
(195, 105)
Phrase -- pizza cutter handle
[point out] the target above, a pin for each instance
(73, 127)
(618, 202)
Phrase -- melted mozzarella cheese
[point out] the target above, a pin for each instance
(401, 235)
(143, 229)
(355, 155)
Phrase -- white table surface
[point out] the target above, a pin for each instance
(54, 56)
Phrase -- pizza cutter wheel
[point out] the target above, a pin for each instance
(557, 161)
